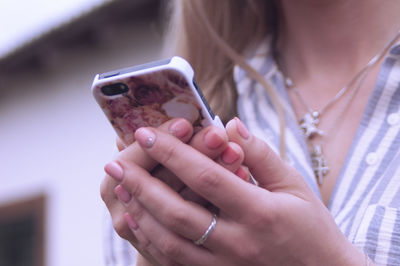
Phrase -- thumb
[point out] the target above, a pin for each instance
(270, 171)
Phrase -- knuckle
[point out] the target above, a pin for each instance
(171, 249)
(137, 212)
(133, 182)
(266, 151)
(105, 192)
(248, 252)
(207, 179)
(177, 219)
(145, 245)
(168, 154)
(264, 217)
(135, 189)
(172, 263)
(120, 227)
(247, 248)
(267, 162)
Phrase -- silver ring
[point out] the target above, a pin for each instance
(209, 230)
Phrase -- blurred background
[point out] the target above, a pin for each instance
(54, 139)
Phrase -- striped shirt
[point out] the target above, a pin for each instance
(365, 202)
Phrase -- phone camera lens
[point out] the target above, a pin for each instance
(114, 89)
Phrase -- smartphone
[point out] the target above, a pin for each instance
(150, 94)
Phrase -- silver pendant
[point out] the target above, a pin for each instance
(309, 123)
(319, 164)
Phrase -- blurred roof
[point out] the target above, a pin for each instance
(26, 20)
(87, 27)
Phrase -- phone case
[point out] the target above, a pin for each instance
(149, 95)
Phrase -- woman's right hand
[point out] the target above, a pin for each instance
(211, 141)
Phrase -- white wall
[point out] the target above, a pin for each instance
(54, 139)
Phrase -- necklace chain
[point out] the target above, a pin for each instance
(309, 122)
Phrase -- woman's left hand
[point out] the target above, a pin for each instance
(278, 222)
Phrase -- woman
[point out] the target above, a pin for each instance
(321, 87)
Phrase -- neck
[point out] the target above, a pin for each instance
(333, 37)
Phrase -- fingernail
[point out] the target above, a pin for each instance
(229, 155)
(130, 221)
(114, 170)
(212, 140)
(179, 128)
(242, 174)
(122, 194)
(241, 128)
(145, 137)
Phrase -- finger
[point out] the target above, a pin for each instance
(180, 128)
(270, 171)
(146, 260)
(115, 208)
(211, 141)
(187, 194)
(141, 242)
(120, 145)
(205, 177)
(152, 254)
(232, 157)
(176, 184)
(160, 200)
(244, 174)
(155, 238)
(107, 189)
(168, 178)
(153, 200)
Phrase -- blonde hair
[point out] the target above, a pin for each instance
(214, 36)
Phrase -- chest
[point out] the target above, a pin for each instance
(361, 137)
(338, 124)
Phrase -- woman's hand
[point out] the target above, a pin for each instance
(211, 141)
(279, 222)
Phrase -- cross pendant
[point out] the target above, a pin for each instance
(319, 164)
(309, 124)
